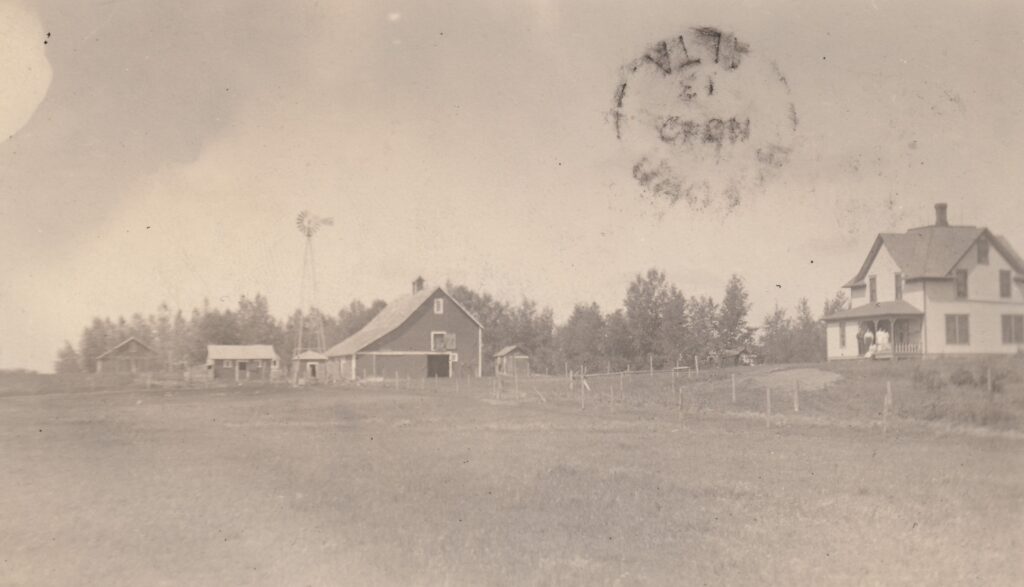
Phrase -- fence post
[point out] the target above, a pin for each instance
(886, 406)
(696, 364)
(583, 388)
(796, 397)
(733, 388)
(650, 364)
(768, 407)
(988, 382)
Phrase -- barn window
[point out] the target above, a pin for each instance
(437, 341)
(449, 342)
(982, 251)
(961, 284)
(1004, 283)
(439, 306)
(227, 363)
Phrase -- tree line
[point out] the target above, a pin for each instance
(657, 326)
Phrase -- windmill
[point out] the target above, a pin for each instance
(309, 224)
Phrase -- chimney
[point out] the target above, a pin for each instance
(940, 215)
(417, 285)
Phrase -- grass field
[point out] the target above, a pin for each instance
(327, 486)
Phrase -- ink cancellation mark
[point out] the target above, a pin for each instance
(708, 122)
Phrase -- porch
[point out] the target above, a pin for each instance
(884, 330)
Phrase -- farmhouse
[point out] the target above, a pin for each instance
(242, 362)
(131, 356)
(512, 360)
(424, 334)
(934, 290)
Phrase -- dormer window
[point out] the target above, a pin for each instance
(982, 251)
(439, 306)
(961, 284)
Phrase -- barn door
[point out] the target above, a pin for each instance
(437, 366)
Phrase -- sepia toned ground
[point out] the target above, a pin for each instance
(272, 486)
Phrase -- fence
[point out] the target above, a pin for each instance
(776, 396)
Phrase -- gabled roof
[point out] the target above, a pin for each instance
(242, 352)
(311, 356)
(390, 318)
(125, 342)
(874, 310)
(931, 252)
(509, 349)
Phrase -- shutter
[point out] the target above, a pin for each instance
(950, 329)
(964, 330)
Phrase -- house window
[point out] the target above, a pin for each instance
(842, 335)
(957, 328)
(961, 284)
(1013, 329)
(439, 306)
(982, 251)
(899, 286)
(273, 363)
(228, 363)
(872, 289)
(1004, 284)
(437, 341)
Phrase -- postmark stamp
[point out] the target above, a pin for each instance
(706, 120)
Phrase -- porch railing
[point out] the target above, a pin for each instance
(907, 348)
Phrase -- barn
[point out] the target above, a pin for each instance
(512, 360)
(424, 334)
(131, 356)
(242, 362)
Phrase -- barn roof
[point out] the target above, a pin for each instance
(124, 343)
(509, 349)
(242, 352)
(932, 252)
(390, 318)
(875, 309)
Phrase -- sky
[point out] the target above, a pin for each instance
(159, 152)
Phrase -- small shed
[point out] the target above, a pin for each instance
(242, 362)
(310, 366)
(738, 357)
(512, 360)
(131, 356)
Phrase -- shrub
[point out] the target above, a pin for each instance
(962, 377)
(928, 379)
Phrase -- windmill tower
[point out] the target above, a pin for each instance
(309, 224)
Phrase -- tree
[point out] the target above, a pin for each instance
(68, 360)
(733, 331)
(645, 306)
(674, 340)
(776, 337)
(704, 326)
(618, 340)
(837, 303)
(581, 340)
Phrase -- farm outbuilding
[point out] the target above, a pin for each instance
(130, 356)
(512, 360)
(738, 357)
(242, 362)
(310, 366)
(424, 334)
